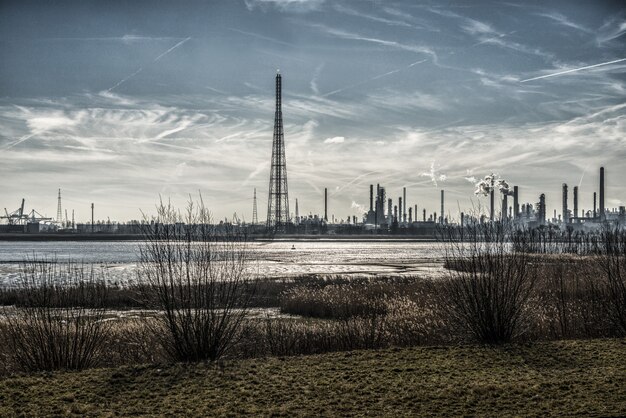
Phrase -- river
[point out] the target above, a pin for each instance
(271, 259)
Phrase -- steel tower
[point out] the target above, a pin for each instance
(255, 219)
(59, 211)
(278, 201)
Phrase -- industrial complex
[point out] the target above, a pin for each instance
(385, 215)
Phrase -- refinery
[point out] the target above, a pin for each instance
(385, 215)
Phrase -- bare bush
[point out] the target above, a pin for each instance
(196, 275)
(489, 283)
(612, 263)
(58, 322)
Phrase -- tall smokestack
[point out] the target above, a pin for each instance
(424, 215)
(505, 206)
(492, 198)
(594, 205)
(576, 204)
(565, 211)
(404, 207)
(601, 193)
(442, 212)
(515, 202)
(371, 197)
(92, 227)
(400, 209)
(325, 204)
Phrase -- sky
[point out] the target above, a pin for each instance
(122, 103)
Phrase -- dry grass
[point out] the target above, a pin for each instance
(577, 378)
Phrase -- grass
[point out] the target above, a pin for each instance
(584, 377)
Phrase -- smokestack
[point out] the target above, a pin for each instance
(492, 198)
(424, 216)
(325, 204)
(371, 197)
(601, 193)
(390, 209)
(415, 212)
(594, 205)
(92, 227)
(515, 202)
(576, 204)
(400, 209)
(410, 215)
(565, 211)
(505, 206)
(404, 207)
(442, 212)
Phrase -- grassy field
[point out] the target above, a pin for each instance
(556, 378)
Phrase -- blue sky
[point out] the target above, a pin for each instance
(117, 102)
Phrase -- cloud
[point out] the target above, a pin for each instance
(335, 140)
(564, 21)
(340, 33)
(285, 5)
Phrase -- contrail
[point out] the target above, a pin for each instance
(140, 69)
(373, 78)
(574, 70)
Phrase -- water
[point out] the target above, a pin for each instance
(272, 259)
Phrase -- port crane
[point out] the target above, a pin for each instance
(18, 217)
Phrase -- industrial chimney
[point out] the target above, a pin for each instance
(325, 204)
(576, 204)
(565, 211)
(602, 193)
(371, 197)
(442, 212)
(515, 202)
(404, 207)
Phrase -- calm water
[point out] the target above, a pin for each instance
(273, 259)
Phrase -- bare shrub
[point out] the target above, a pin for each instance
(196, 275)
(58, 322)
(612, 263)
(489, 283)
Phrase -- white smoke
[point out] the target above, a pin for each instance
(492, 182)
(358, 207)
(486, 185)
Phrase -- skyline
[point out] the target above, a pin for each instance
(418, 96)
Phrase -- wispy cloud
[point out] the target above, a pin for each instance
(335, 140)
(564, 21)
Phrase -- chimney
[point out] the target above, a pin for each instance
(371, 197)
(400, 209)
(505, 206)
(576, 204)
(325, 204)
(424, 215)
(404, 207)
(594, 205)
(602, 193)
(491, 207)
(442, 211)
(515, 202)
(565, 211)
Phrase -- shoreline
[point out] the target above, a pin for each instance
(285, 238)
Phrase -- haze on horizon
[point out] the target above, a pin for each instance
(119, 102)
